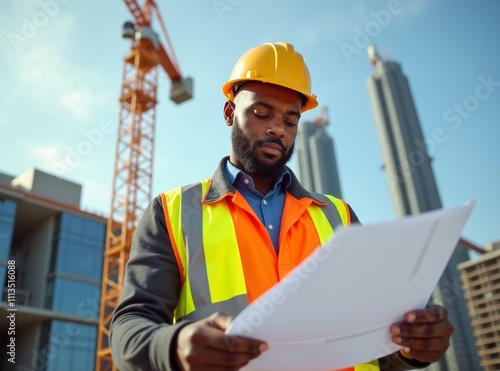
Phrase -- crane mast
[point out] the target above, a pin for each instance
(133, 165)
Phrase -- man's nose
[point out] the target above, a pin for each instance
(276, 127)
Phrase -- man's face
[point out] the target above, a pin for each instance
(248, 157)
(264, 119)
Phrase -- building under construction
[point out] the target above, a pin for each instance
(318, 170)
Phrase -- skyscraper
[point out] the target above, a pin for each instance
(413, 189)
(316, 157)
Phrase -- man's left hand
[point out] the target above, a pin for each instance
(425, 334)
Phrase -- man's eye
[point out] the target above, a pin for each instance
(261, 115)
(290, 123)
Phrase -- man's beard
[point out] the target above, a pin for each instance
(247, 156)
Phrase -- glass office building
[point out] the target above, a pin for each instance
(7, 215)
(58, 253)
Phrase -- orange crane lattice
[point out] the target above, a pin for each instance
(132, 177)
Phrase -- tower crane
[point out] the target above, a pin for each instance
(132, 177)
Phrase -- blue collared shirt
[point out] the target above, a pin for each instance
(267, 207)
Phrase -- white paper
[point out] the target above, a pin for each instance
(334, 310)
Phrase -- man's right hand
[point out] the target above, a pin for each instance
(202, 345)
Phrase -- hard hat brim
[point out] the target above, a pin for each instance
(229, 93)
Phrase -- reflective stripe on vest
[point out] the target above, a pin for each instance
(326, 217)
(206, 288)
(369, 366)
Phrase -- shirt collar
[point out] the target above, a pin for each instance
(237, 176)
(220, 186)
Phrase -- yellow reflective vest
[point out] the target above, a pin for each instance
(225, 256)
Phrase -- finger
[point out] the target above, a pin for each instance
(442, 329)
(244, 345)
(424, 356)
(425, 345)
(233, 344)
(424, 331)
(220, 320)
(425, 350)
(200, 352)
(431, 314)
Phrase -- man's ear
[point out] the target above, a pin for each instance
(228, 112)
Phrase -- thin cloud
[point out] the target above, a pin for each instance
(339, 22)
(43, 72)
(54, 83)
(417, 7)
(45, 155)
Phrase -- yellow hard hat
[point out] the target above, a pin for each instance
(277, 64)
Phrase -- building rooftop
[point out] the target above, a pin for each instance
(480, 259)
(46, 185)
(39, 195)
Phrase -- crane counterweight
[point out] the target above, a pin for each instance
(181, 90)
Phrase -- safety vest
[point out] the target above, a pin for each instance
(225, 256)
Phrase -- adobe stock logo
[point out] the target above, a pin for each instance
(75, 155)
(455, 115)
(364, 36)
(224, 6)
(57, 342)
(471, 103)
(30, 25)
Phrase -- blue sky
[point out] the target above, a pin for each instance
(62, 63)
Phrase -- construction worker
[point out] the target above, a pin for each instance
(203, 252)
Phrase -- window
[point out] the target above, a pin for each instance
(74, 297)
(80, 247)
(7, 216)
(80, 259)
(69, 346)
(76, 265)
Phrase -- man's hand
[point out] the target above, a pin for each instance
(202, 345)
(425, 334)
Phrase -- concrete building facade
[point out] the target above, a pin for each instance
(413, 189)
(50, 274)
(481, 281)
(318, 170)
